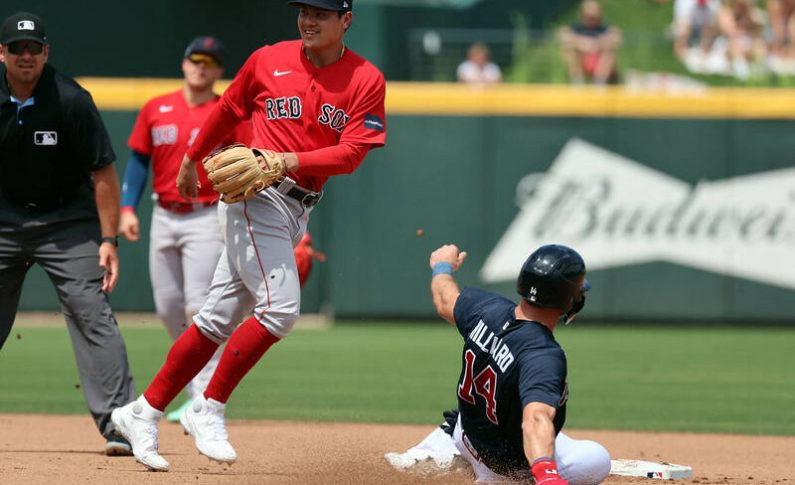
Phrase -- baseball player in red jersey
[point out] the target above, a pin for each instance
(321, 108)
(185, 239)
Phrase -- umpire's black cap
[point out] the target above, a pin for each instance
(23, 26)
(206, 45)
(337, 5)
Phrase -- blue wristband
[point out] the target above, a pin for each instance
(442, 268)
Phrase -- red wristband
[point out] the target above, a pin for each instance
(545, 472)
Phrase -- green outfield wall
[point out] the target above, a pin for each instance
(683, 205)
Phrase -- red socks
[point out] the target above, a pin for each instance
(189, 354)
(244, 349)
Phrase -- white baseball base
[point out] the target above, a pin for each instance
(649, 469)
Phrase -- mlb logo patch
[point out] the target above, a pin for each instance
(26, 25)
(45, 138)
(373, 122)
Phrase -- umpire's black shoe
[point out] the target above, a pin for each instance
(118, 446)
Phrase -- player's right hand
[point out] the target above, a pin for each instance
(129, 227)
(449, 253)
(188, 180)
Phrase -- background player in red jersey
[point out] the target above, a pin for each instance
(321, 108)
(185, 239)
(305, 254)
(513, 387)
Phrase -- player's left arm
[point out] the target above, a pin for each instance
(365, 130)
(542, 387)
(340, 159)
(538, 431)
(538, 434)
(444, 289)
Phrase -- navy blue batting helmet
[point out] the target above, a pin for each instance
(553, 277)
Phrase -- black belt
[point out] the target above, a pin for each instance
(40, 206)
(306, 197)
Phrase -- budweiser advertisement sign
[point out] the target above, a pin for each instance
(617, 212)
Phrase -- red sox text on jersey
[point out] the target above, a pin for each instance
(290, 107)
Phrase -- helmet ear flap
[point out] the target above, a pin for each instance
(579, 304)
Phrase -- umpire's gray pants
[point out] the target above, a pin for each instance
(68, 253)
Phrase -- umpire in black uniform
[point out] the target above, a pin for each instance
(59, 208)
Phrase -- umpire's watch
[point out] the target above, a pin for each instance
(111, 239)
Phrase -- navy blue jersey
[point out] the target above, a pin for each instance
(506, 364)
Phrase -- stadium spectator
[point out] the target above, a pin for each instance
(695, 22)
(741, 23)
(590, 46)
(781, 15)
(477, 68)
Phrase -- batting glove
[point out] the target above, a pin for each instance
(545, 472)
(450, 420)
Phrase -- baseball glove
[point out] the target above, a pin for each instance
(237, 172)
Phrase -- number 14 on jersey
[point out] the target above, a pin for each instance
(484, 385)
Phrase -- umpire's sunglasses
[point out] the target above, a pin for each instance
(18, 47)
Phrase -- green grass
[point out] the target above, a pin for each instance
(700, 379)
(737, 380)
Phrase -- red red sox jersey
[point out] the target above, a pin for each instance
(164, 129)
(297, 107)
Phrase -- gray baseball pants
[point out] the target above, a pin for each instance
(68, 253)
(257, 270)
(183, 253)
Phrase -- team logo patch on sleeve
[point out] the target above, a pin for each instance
(373, 122)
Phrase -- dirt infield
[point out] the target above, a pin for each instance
(66, 450)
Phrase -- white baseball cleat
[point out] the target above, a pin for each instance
(137, 422)
(204, 420)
